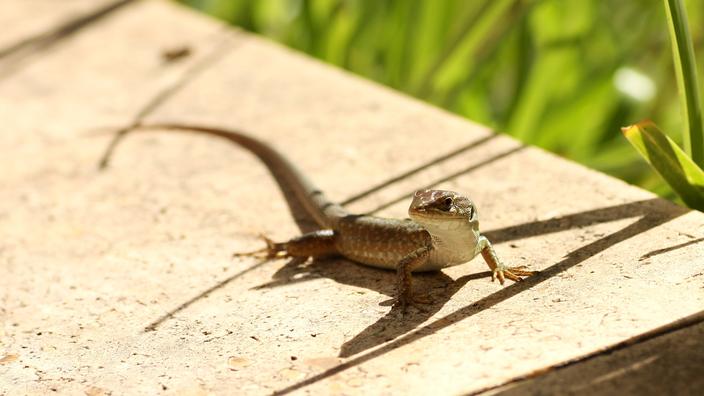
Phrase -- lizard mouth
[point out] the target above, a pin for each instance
(435, 215)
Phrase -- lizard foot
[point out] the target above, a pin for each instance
(512, 273)
(272, 250)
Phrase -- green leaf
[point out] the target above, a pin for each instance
(686, 70)
(670, 161)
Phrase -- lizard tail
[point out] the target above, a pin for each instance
(319, 207)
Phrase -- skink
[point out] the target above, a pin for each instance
(443, 229)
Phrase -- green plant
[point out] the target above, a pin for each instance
(680, 169)
(561, 74)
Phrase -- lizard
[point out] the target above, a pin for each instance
(442, 231)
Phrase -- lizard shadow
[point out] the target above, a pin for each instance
(389, 327)
(439, 286)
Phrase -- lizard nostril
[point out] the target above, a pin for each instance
(448, 203)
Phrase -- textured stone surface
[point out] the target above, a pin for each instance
(667, 365)
(33, 28)
(27, 19)
(122, 281)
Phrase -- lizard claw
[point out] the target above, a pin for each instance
(512, 273)
(272, 250)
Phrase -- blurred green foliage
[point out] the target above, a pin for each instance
(564, 75)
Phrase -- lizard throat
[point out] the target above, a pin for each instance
(454, 240)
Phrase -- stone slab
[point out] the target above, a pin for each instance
(122, 281)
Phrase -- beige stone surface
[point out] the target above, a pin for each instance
(31, 28)
(122, 281)
(23, 20)
(667, 365)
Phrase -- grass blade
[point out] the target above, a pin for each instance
(683, 57)
(670, 161)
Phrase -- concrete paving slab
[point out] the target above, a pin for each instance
(122, 281)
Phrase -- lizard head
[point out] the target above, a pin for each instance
(432, 208)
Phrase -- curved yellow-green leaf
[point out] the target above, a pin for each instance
(670, 161)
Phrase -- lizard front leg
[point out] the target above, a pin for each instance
(319, 243)
(404, 279)
(498, 269)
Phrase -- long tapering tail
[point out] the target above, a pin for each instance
(319, 207)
